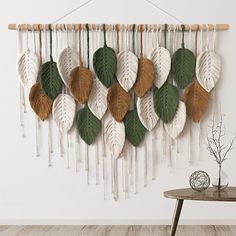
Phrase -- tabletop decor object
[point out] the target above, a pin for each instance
(219, 151)
(199, 180)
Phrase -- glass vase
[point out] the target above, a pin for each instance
(220, 180)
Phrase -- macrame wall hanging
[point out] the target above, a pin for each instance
(108, 89)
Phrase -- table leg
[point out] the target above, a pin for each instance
(178, 207)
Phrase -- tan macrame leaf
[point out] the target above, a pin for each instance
(196, 100)
(80, 83)
(208, 68)
(67, 61)
(127, 68)
(161, 59)
(145, 77)
(146, 111)
(118, 101)
(28, 68)
(40, 103)
(97, 102)
(114, 136)
(63, 111)
(176, 125)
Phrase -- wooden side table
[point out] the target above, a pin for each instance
(211, 194)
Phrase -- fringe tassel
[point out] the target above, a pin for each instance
(104, 165)
(37, 139)
(154, 158)
(22, 117)
(49, 142)
(145, 165)
(77, 152)
(97, 164)
(61, 145)
(115, 179)
(68, 150)
(136, 171)
(87, 162)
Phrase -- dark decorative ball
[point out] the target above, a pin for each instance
(199, 180)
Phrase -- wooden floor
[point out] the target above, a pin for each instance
(116, 230)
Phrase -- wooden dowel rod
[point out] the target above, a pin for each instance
(154, 27)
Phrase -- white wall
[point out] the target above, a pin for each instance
(32, 192)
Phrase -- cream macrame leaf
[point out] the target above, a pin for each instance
(114, 135)
(28, 68)
(127, 68)
(176, 125)
(67, 61)
(64, 112)
(97, 102)
(162, 63)
(146, 111)
(208, 69)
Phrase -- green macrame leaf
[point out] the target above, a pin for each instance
(88, 125)
(104, 63)
(183, 67)
(134, 130)
(166, 100)
(50, 79)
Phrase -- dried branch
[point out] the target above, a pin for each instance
(215, 146)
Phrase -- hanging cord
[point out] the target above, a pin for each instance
(87, 28)
(214, 38)
(71, 11)
(87, 2)
(80, 48)
(141, 40)
(40, 47)
(104, 35)
(196, 42)
(141, 54)
(164, 11)
(190, 37)
(133, 38)
(165, 38)
(214, 92)
(21, 88)
(207, 37)
(37, 120)
(183, 31)
(77, 140)
(49, 118)
(50, 31)
(199, 124)
(201, 41)
(117, 38)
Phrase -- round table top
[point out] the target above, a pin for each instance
(210, 194)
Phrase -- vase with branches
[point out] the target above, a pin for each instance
(219, 150)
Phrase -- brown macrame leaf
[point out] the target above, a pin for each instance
(80, 83)
(40, 103)
(145, 77)
(118, 101)
(196, 99)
